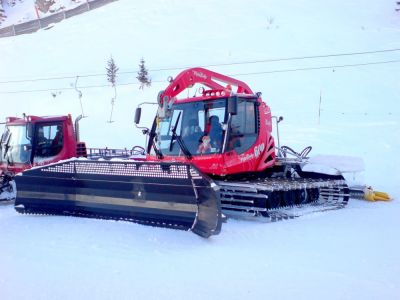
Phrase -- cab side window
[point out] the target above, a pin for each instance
(49, 140)
(244, 127)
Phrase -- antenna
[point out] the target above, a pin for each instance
(112, 104)
(79, 95)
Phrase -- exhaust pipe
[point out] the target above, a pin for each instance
(77, 137)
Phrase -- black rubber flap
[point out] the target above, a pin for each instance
(170, 195)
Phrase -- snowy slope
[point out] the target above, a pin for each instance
(349, 254)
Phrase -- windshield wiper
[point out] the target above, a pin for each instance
(10, 159)
(174, 135)
(185, 150)
(157, 150)
(181, 143)
(152, 142)
(6, 145)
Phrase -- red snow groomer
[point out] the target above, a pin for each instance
(207, 152)
(224, 130)
(33, 141)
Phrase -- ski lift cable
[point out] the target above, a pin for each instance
(237, 74)
(211, 65)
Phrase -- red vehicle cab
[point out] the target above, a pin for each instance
(33, 141)
(220, 131)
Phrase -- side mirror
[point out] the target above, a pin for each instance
(138, 113)
(232, 106)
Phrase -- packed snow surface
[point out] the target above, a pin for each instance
(351, 253)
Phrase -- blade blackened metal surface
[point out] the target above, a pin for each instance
(160, 194)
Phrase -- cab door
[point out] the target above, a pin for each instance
(243, 134)
(48, 142)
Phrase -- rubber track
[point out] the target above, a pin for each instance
(333, 194)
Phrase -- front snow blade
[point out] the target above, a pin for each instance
(170, 195)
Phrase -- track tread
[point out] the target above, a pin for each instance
(332, 194)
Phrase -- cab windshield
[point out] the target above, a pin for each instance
(197, 124)
(200, 127)
(16, 146)
(19, 141)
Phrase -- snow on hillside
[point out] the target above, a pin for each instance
(346, 254)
